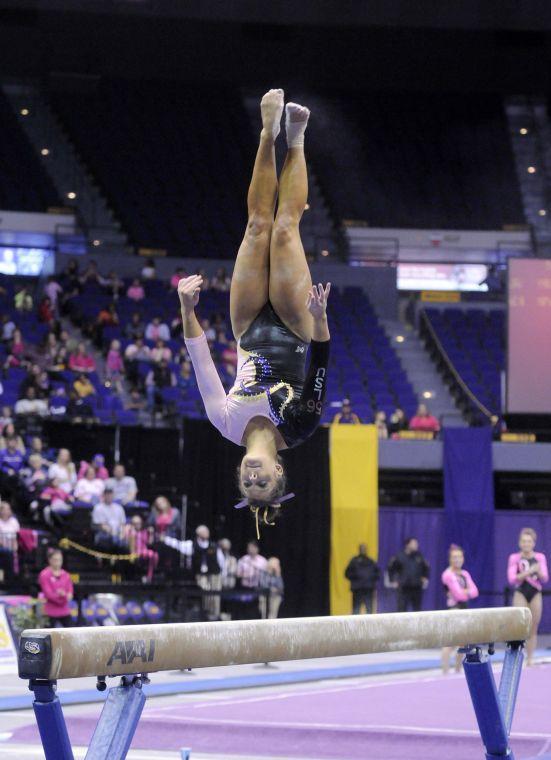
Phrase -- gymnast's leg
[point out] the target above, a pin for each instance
(536, 608)
(290, 280)
(249, 287)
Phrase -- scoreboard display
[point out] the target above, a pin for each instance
(529, 336)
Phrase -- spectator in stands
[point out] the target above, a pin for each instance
(206, 564)
(36, 446)
(31, 404)
(108, 521)
(81, 361)
(9, 528)
(44, 386)
(59, 402)
(186, 377)
(90, 274)
(229, 358)
(178, 275)
(107, 317)
(272, 582)
(6, 418)
(61, 362)
(90, 488)
(398, 421)
(161, 352)
(135, 353)
(48, 351)
(57, 587)
(23, 300)
(46, 313)
(83, 387)
(380, 424)
(8, 432)
(136, 402)
(460, 589)
(221, 281)
(123, 486)
(206, 281)
(71, 279)
(8, 328)
(157, 329)
(346, 416)
(135, 328)
(57, 503)
(158, 378)
(35, 475)
(363, 574)
(79, 409)
(424, 421)
(113, 284)
(409, 574)
(114, 365)
(229, 564)
(149, 272)
(53, 290)
(176, 327)
(30, 381)
(64, 470)
(17, 356)
(136, 291)
(210, 332)
(251, 565)
(138, 540)
(164, 518)
(98, 463)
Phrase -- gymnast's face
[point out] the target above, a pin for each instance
(259, 476)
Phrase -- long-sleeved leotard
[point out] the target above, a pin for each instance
(271, 381)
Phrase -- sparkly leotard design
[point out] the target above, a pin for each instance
(271, 380)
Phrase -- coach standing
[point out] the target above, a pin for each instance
(363, 574)
(409, 574)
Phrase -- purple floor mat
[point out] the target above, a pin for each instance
(429, 717)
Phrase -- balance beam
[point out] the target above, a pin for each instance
(50, 654)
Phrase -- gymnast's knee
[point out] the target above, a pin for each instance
(259, 225)
(285, 229)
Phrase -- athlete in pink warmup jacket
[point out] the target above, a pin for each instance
(460, 589)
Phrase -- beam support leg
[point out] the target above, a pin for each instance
(50, 721)
(487, 705)
(118, 721)
(510, 679)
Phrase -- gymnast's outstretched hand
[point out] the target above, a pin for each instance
(316, 303)
(188, 290)
(317, 300)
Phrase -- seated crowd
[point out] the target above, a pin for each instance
(43, 489)
(423, 421)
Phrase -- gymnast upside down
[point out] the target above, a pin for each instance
(276, 315)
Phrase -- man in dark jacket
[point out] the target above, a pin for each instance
(363, 574)
(409, 574)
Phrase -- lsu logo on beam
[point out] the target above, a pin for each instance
(128, 651)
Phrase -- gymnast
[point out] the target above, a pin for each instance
(527, 572)
(276, 315)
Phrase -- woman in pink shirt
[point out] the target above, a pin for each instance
(136, 292)
(527, 572)
(460, 589)
(114, 365)
(424, 421)
(81, 361)
(57, 587)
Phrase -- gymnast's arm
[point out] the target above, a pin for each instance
(210, 386)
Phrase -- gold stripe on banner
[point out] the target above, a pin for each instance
(354, 504)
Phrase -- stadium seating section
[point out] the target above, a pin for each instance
(174, 161)
(474, 340)
(415, 160)
(24, 184)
